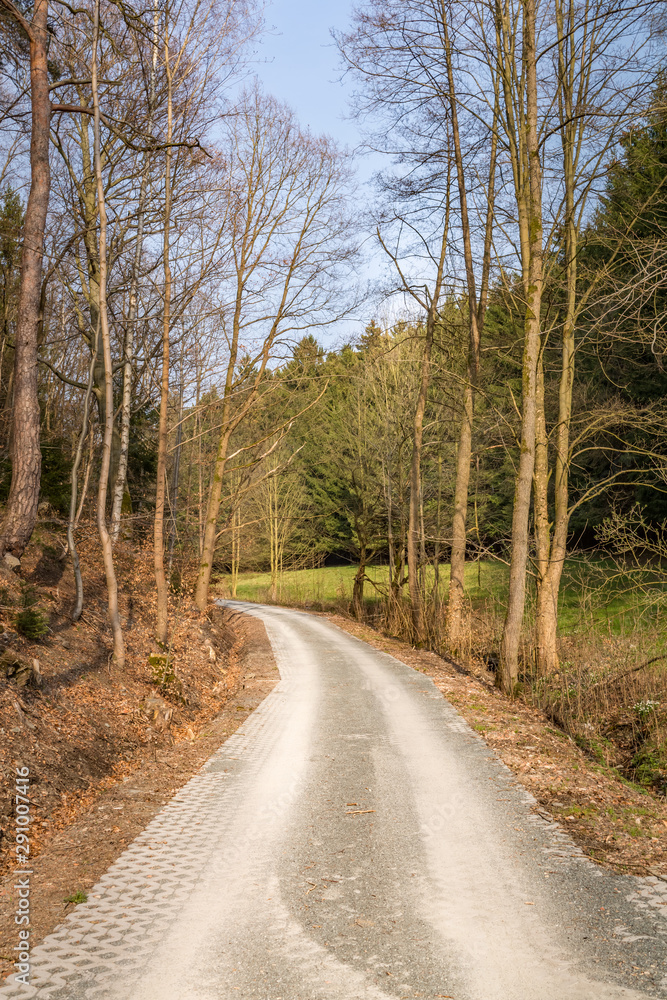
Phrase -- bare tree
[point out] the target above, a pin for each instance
(476, 307)
(207, 32)
(405, 55)
(74, 512)
(105, 538)
(162, 623)
(518, 119)
(130, 331)
(288, 235)
(602, 66)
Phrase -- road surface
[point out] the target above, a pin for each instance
(354, 839)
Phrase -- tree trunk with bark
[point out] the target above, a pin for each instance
(540, 495)
(212, 509)
(414, 533)
(175, 480)
(21, 510)
(571, 68)
(457, 559)
(414, 583)
(549, 583)
(529, 204)
(120, 492)
(358, 586)
(162, 615)
(86, 429)
(105, 538)
(476, 312)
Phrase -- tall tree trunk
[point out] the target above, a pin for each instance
(215, 494)
(422, 544)
(162, 620)
(530, 208)
(273, 534)
(200, 464)
(211, 522)
(91, 288)
(86, 475)
(175, 477)
(358, 586)
(416, 595)
(457, 559)
(71, 524)
(438, 541)
(540, 492)
(21, 510)
(391, 548)
(236, 550)
(476, 311)
(105, 538)
(554, 546)
(570, 64)
(120, 485)
(416, 592)
(549, 584)
(396, 546)
(120, 491)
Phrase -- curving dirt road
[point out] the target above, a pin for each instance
(354, 839)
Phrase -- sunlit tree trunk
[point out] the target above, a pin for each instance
(571, 66)
(236, 550)
(359, 580)
(162, 615)
(175, 478)
(272, 497)
(528, 186)
(414, 534)
(105, 538)
(476, 311)
(414, 583)
(21, 510)
(86, 430)
(549, 583)
(120, 487)
(540, 489)
(210, 532)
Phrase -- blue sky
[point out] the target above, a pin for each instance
(298, 62)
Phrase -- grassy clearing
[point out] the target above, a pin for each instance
(330, 587)
(594, 595)
(326, 585)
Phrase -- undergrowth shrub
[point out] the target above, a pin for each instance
(165, 677)
(31, 621)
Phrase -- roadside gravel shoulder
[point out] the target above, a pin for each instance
(616, 824)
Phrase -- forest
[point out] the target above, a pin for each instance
(478, 464)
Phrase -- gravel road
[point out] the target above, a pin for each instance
(354, 839)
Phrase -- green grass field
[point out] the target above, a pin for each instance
(592, 594)
(330, 584)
